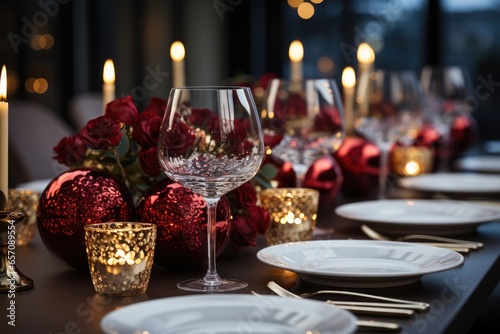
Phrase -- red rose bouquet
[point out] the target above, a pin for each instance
(124, 142)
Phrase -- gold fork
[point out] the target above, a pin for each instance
(362, 324)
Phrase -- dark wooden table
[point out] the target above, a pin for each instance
(63, 299)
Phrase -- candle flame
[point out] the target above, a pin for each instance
(3, 84)
(296, 51)
(177, 51)
(108, 74)
(348, 77)
(365, 53)
(412, 168)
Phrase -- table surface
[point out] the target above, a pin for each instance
(63, 299)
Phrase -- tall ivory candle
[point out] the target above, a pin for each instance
(348, 84)
(108, 87)
(177, 53)
(4, 134)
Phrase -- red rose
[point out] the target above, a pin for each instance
(156, 105)
(70, 151)
(123, 110)
(243, 232)
(179, 139)
(202, 118)
(243, 197)
(147, 128)
(260, 217)
(101, 133)
(148, 159)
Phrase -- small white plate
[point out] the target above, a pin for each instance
(360, 263)
(231, 313)
(436, 217)
(466, 183)
(483, 163)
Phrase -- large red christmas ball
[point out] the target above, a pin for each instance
(76, 198)
(181, 219)
(325, 176)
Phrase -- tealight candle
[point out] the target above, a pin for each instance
(293, 213)
(177, 53)
(411, 160)
(108, 88)
(4, 135)
(120, 256)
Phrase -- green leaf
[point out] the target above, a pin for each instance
(268, 171)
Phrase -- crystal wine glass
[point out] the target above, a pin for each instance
(211, 142)
(388, 110)
(306, 117)
(446, 90)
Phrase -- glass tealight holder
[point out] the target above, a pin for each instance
(26, 201)
(411, 160)
(120, 256)
(293, 213)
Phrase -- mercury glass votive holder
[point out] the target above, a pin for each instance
(120, 256)
(411, 160)
(293, 213)
(26, 201)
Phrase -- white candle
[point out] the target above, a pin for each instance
(4, 134)
(108, 88)
(366, 58)
(296, 53)
(348, 84)
(177, 53)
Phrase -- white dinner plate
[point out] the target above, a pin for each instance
(360, 263)
(436, 217)
(466, 183)
(231, 313)
(483, 163)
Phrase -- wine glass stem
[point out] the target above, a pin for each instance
(444, 147)
(383, 173)
(211, 277)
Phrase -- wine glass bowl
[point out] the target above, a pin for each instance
(211, 142)
(388, 110)
(447, 90)
(302, 121)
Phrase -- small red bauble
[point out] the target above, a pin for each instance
(76, 198)
(359, 161)
(181, 219)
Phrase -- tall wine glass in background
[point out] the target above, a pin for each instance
(388, 110)
(211, 142)
(306, 117)
(446, 90)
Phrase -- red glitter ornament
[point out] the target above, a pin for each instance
(181, 219)
(359, 161)
(76, 198)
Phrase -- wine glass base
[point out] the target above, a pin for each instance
(200, 285)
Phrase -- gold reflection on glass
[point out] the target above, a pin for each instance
(293, 213)
(120, 256)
